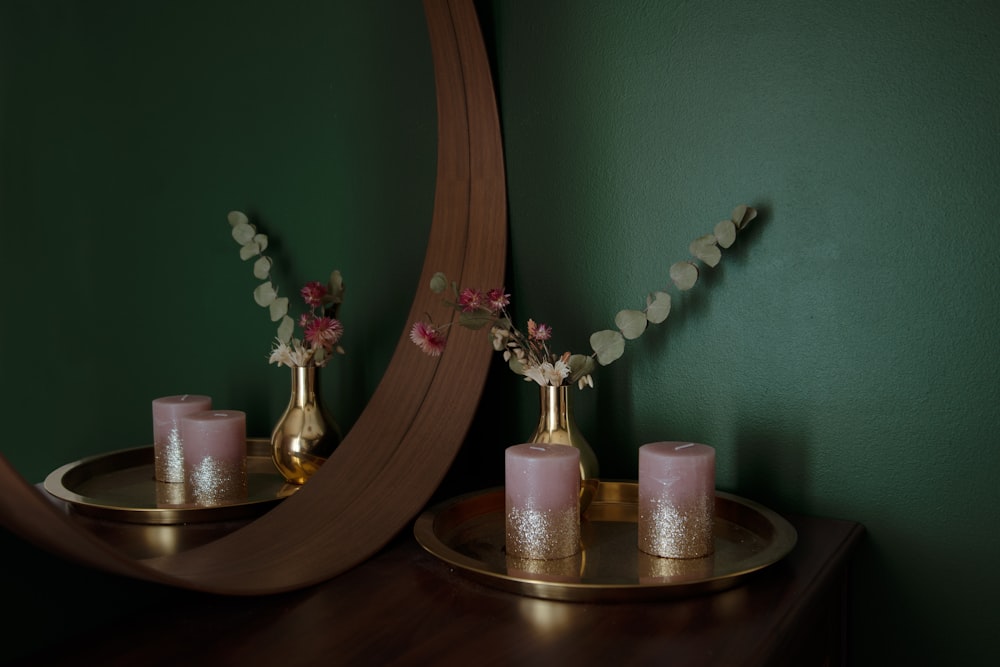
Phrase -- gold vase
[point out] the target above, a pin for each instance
(556, 426)
(306, 434)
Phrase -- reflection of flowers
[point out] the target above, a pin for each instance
(529, 354)
(321, 330)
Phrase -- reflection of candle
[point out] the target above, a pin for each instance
(215, 456)
(168, 457)
(542, 498)
(657, 570)
(676, 499)
(565, 570)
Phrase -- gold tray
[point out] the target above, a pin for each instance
(121, 486)
(468, 533)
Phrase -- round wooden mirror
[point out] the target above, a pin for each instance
(401, 446)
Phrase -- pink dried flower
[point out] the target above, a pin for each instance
(498, 299)
(470, 300)
(323, 332)
(313, 293)
(539, 331)
(427, 338)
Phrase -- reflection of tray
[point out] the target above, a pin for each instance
(120, 486)
(468, 533)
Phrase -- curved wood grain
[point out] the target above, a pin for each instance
(401, 446)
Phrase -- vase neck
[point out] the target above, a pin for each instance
(305, 387)
(555, 412)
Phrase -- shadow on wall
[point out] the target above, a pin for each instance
(772, 463)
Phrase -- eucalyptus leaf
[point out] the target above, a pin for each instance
(264, 294)
(244, 233)
(608, 345)
(631, 323)
(658, 307)
(335, 287)
(743, 214)
(278, 308)
(439, 282)
(725, 233)
(237, 218)
(515, 365)
(248, 250)
(262, 268)
(704, 248)
(261, 241)
(476, 319)
(285, 329)
(579, 366)
(684, 274)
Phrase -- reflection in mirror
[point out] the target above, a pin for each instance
(403, 442)
(127, 137)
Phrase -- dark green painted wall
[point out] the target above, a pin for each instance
(842, 359)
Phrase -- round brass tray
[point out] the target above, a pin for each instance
(120, 486)
(468, 533)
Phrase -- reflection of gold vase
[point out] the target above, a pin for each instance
(306, 434)
(556, 426)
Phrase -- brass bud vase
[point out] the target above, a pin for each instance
(306, 434)
(556, 426)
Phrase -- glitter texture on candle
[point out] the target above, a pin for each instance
(676, 499)
(542, 501)
(215, 457)
(217, 482)
(545, 534)
(168, 454)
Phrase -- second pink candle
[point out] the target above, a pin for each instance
(215, 456)
(676, 499)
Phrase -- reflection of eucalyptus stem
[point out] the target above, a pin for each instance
(322, 328)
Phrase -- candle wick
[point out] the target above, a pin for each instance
(537, 449)
(184, 397)
(690, 444)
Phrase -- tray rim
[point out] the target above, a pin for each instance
(424, 531)
(94, 507)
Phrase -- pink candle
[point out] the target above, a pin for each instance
(168, 457)
(542, 499)
(676, 499)
(215, 456)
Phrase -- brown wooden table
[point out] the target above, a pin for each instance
(405, 607)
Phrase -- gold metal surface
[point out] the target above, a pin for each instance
(468, 533)
(121, 486)
(557, 426)
(306, 434)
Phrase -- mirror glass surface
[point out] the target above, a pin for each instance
(128, 132)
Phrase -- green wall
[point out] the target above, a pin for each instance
(841, 359)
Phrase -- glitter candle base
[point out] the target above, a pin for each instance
(672, 531)
(215, 456)
(676, 499)
(542, 534)
(216, 482)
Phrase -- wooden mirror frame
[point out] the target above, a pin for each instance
(401, 446)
